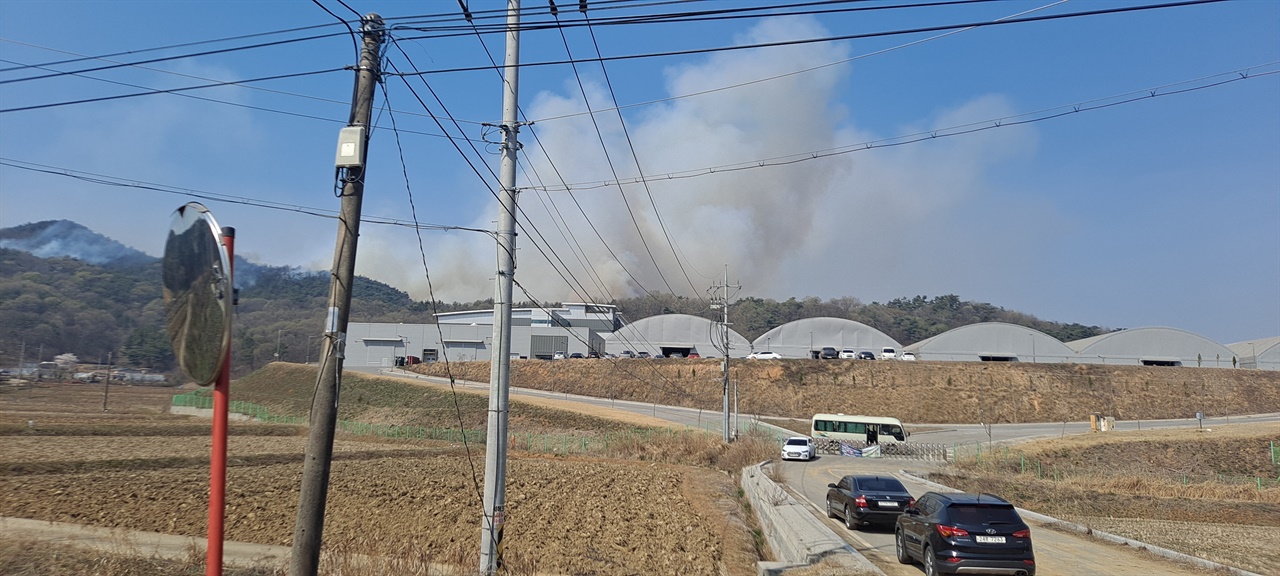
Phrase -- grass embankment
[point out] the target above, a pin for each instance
(20, 557)
(1215, 494)
(286, 389)
(936, 392)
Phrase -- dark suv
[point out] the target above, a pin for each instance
(863, 500)
(965, 533)
(829, 353)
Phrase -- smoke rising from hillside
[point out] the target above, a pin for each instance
(780, 230)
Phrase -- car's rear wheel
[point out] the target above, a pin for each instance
(849, 522)
(900, 546)
(930, 563)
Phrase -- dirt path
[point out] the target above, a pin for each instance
(481, 389)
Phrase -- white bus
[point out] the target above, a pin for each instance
(870, 429)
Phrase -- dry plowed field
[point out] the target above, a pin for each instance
(419, 499)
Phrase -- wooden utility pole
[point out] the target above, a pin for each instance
(352, 154)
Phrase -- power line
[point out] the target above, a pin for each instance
(1014, 120)
(118, 182)
(355, 44)
(613, 96)
(723, 14)
(613, 169)
(788, 74)
(556, 169)
(166, 58)
(215, 100)
(431, 295)
(81, 58)
(477, 172)
(826, 38)
(167, 90)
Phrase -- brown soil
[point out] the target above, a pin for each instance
(565, 515)
(937, 392)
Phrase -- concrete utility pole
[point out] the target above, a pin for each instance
(106, 387)
(722, 302)
(495, 459)
(352, 154)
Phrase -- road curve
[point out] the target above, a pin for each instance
(1057, 553)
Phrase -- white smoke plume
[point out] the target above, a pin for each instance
(782, 230)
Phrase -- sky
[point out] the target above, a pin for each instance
(1119, 170)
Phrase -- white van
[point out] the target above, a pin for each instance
(888, 353)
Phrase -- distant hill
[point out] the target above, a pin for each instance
(64, 238)
(67, 289)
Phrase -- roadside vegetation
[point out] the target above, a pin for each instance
(1197, 492)
(1210, 493)
(914, 392)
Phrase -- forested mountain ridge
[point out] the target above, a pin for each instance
(92, 296)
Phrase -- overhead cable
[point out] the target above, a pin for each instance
(613, 97)
(614, 170)
(1014, 120)
(825, 39)
(168, 90)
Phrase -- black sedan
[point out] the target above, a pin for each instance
(863, 500)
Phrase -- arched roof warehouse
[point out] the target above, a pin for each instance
(1152, 346)
(796, 339)
(1260, 354)
(674, 333)
(993, 341)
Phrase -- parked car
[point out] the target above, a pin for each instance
(964, 533)
(642, 355)
(693, 355)
(593, 354)
(558, 356)
(766, 355)
(863, 500)
(658, 355)
(628, 354)
(576, 355)
(828, 353)
(866, 355)
(797, 448)
(908, 357)
(888, 353)
(848, 353)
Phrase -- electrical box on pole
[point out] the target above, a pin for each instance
(351, 141)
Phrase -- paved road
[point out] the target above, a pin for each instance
(938, 433)
(694, 417)
(1057, 553)
(1012, 433)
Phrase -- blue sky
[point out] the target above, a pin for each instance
(1160, 212)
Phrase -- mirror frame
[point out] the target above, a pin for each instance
(197, 292)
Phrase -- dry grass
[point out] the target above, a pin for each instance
(26, 557)
(935, 392)
(831, 566)
(1132, 484)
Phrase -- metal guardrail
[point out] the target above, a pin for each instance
(903, 450)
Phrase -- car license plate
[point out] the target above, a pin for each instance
(989, 539)
(889, 504)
